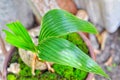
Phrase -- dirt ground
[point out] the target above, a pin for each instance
(109, 58)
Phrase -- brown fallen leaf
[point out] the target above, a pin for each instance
(109, 61)
(101, 38)
(104, 37)
(96, 51)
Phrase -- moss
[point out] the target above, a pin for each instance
(11, 77)
(27, 78)
(78, 74)
(48, 76)
(25, 71)
(69, 73)
(77, 40)
(61, 72)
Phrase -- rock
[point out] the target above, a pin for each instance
(102, 12)
(12, 10)
(68, 5)
(40, 7)
(82, 14)
(14, 68)
(27, 56)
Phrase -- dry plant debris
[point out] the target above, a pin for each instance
(109, 61)
(102, 39)
(14, 68)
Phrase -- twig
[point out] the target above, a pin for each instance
(0, 75)
(91, 51)
(92, 54)
(3, 46)
(7, 58)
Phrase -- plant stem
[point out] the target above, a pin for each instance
(49, 67)
(33, 64)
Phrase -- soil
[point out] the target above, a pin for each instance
(111, 50)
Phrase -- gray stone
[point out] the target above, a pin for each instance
(103, 12)
(12, 10)
(112, 49)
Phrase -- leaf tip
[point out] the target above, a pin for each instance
(11, 23)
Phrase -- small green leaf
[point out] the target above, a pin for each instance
(59, 22)
(63, 52)
(19, 36)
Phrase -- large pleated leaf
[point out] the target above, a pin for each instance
(59, 22)
(63, 52)
(18, 36)
(50, 48)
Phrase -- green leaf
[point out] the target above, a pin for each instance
(63, 52)
(59, 22)
(18, 36)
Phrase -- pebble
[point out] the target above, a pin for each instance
(14, 68)
(82, 14)
(68, 5)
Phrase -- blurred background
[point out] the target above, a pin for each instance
(104, 14)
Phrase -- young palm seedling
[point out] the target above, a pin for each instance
(51, 46)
